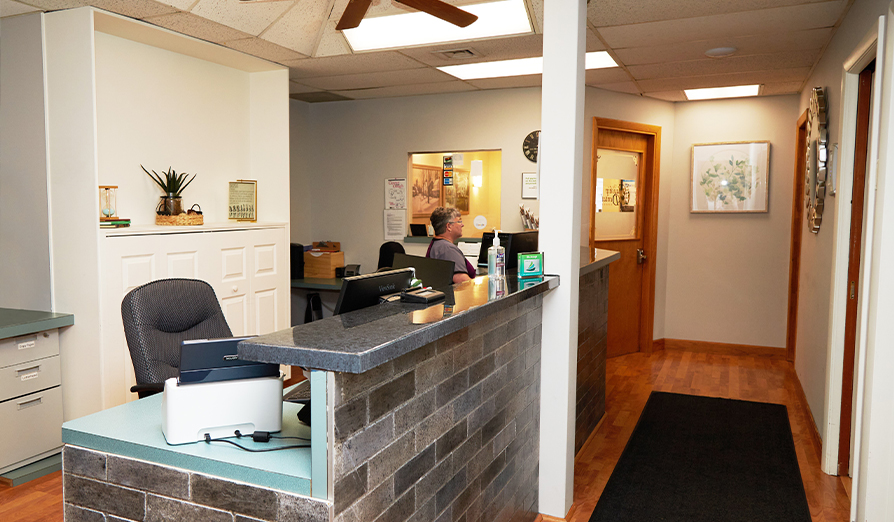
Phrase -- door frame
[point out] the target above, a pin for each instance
(649, 188)
(863, 54)
(794, 267)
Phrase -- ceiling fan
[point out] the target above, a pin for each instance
(356, 10)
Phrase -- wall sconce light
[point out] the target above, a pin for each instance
(477, 173)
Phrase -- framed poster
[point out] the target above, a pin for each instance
(730, 177)
(426, 190)
(243, 200)
(530, 185)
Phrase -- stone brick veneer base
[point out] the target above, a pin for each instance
(101, 487)
(592, 327)
(448, 432)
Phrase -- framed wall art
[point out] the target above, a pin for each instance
(425, 190)
(243, 200)
(730, 177)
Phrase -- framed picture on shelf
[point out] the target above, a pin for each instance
(243, 200)
(730, 177)
(425, 189)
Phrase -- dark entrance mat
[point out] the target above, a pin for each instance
(705, 459)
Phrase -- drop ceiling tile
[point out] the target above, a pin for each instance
(610, 75)
(593, 42)
(781, 19)
(192, 25)
(510, 82)
(772, 89)
(251, 18)
(332, 43)
(55, 5)
(535, 13)
(318, 97)
(622, 12)
(488, 50)
(752, 44)
(295, 87)
(754, 62)
(724, 80)
(183, 5)
(407, 90)
(377, 79)
(351, 64)
(134, 8)
(671, 96)
(264, 49)
(299, 27)
(10, 8)
(625, 87)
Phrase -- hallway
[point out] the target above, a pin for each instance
(630, 379)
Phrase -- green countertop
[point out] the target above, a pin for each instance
(14, 322)
(134, 430)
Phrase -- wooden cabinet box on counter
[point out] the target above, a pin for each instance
(322, 264)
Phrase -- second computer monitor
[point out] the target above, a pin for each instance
(364, 290)
(436, 273)
(513, 242)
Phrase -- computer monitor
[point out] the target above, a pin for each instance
(214, 360)
(364, 290)
(418, 230)
(436, 273)
(513, 242)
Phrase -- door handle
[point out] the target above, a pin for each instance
(640, 256)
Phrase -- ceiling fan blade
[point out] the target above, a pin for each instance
(442, 10)
(353, 15)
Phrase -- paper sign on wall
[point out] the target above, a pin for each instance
(396, 193)
(395, 222)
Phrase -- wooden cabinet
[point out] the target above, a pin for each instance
(246, 266)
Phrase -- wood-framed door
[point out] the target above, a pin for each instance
(794, 267)
(855, 251)
(631, 294)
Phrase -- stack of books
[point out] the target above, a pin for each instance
(113, 222)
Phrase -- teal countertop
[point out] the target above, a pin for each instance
(14, 322)
(134, 430)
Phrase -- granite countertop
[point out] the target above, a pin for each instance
(603, 257)
(15, 322)
(361, 340)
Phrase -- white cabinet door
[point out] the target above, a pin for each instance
(246, 268)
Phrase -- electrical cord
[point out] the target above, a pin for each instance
(258, 436)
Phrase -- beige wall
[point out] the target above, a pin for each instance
(728, 274)
(812, 348)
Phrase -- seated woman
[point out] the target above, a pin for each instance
(448, 225)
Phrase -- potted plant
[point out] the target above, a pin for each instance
(172, 184)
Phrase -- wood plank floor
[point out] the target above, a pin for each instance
(631, 378)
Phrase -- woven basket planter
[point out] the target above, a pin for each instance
(179, 220)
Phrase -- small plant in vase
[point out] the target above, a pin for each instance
(172, 184)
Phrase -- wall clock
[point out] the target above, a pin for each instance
(817, 158)
(531, 144)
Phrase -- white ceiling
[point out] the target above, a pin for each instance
(658, 44)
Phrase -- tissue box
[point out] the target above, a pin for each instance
(322, 264)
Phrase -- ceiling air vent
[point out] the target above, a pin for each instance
(458, 54)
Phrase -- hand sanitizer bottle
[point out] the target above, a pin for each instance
(496, 269)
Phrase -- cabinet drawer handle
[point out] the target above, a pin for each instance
(28, 373)
(30, 403)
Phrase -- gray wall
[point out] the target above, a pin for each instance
(24, 207)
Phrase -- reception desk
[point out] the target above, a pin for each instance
(418, 412)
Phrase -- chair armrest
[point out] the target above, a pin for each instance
(153, 387)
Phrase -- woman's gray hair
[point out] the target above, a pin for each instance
(440, 217)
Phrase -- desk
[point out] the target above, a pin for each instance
(316, 283)
(328, 289)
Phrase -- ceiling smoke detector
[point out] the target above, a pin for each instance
(720, 52)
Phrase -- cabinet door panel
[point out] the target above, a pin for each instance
(183, 264)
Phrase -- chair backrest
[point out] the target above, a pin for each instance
(159, 315)
(386, 253)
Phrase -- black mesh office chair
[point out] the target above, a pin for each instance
(157, 317)
(386, 254)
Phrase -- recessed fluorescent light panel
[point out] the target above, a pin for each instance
(503, 18)
(738, 91)
(520, 67)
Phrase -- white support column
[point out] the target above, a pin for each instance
(561, 149)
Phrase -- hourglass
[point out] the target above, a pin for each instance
(108, 202)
